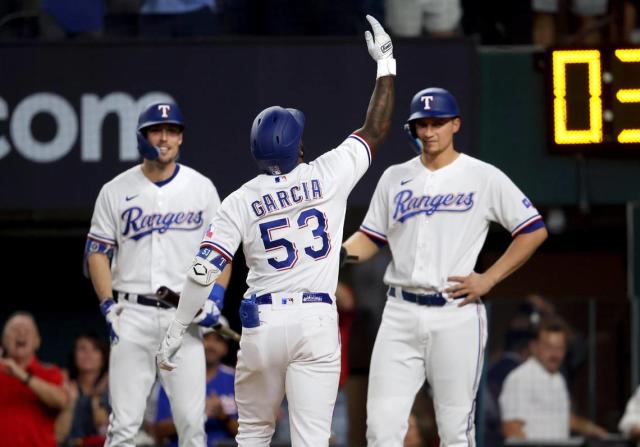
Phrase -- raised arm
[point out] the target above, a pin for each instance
(378, 120)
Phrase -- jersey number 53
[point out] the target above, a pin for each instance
(319, 232)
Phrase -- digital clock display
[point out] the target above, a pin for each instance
(595, 100)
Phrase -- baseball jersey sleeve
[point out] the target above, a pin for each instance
(347, 163)
(513, 399)
(103, 225)
(510, 207)
(376, 222)
(214, 202)
(223, 234)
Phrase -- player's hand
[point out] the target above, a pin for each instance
(473, 286)
(379, 44)
(380, 48)
(111, 311)
(170, 345)
(210, 314)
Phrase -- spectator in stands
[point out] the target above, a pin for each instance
(85, 418)
(179, 18)
(71, 18)
(549, 22)
(630, 422)
(535, 400)
(220, 406)
(410, 18)
(31, 393)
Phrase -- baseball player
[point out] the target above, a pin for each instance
(434, 212)
(290, 221)
(146, 223)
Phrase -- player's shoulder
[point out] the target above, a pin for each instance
(196, 176)
(402, 169)
(124, 179)
(479, 165)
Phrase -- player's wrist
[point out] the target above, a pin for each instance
(217, 295)
(386, 67)
(177, 328)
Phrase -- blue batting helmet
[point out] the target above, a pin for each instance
(275, 139)
(433, 102)
(158, 113)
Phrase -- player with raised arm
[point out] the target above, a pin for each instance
(146, 223)
(434, 212)
(290, 221)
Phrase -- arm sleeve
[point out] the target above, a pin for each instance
(213, 203)
(376, 221)
(631, 416)
(223, 234)
(513, 399)
(510, 207)
(103, 224)
(348, 162)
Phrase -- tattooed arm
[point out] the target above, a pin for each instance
(378, 121)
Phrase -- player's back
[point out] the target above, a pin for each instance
(291, 225)
(293, 230)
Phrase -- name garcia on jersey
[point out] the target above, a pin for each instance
(407, 205)
(284, 198)
(138, 225)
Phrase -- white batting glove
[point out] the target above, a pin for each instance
(111, 311)
(380, 48)
(170, 345)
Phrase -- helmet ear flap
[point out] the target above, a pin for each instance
(414, 141)
(146, 149)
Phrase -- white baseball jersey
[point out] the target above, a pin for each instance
(291, 225)
(538, 398)
(154, 227)
(436, 222)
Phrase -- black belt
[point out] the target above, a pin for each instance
(140, 299)
(307, 297)
(432, 299)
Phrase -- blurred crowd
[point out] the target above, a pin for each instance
(498, 22)
(526, 394)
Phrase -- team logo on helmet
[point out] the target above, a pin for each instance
(164, 109)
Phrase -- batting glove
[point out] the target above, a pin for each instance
(380, 48)
(111, 311)
(210, 314)
(170, 345)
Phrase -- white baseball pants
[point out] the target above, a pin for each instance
(444, 345)
(132, 373)
(295, 350)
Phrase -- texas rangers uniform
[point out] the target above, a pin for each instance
(435, 223)
(154, 228)
(291, 230)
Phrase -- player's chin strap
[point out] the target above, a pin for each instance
(146, 149)
(202, 273)
(416, 143)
